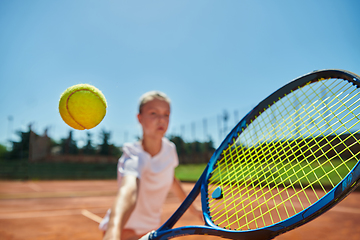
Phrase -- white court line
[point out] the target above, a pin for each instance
(51, 213)
(91, 215)
(34, 187)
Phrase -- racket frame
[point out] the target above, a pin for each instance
(339, 192)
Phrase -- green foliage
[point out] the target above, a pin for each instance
(189, 172)
(183, 147)
(193, 152)
(68, 145)
(20, 150)
(3, 152)
(25, 170)
(88, 149)
(115, 151)
(105, 146)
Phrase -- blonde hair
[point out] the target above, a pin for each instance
(149, 96)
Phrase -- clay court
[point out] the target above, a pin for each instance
(57, 210)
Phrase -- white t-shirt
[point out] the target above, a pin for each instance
(156, 176)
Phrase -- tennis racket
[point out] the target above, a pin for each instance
(290, 159)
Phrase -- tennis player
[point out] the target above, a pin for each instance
(145, 175)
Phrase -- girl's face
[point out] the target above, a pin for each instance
(154, 118)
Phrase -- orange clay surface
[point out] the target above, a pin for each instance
(53, 210)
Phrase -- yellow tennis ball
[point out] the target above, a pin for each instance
(82, 106)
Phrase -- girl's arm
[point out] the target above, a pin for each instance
(181, 194)
(124, 205)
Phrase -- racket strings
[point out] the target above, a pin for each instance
(288, 157)
(280, 195)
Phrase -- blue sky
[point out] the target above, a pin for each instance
(208, 56)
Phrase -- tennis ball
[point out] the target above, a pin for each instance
(82, 106)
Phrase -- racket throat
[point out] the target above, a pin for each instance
(184, 205)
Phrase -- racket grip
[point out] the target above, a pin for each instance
(146, 236)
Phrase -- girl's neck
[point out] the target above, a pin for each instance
(151, 146)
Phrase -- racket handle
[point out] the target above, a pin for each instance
(146, 236)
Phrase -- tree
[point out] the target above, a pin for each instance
(3, 152)
(69, 145)
(115, 151)
(209, 146)
(189, 148)
(20, 150)
(192, 152)
(105, 146)
(89, 149)
(181, 146)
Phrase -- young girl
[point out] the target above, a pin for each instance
(145, 175)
